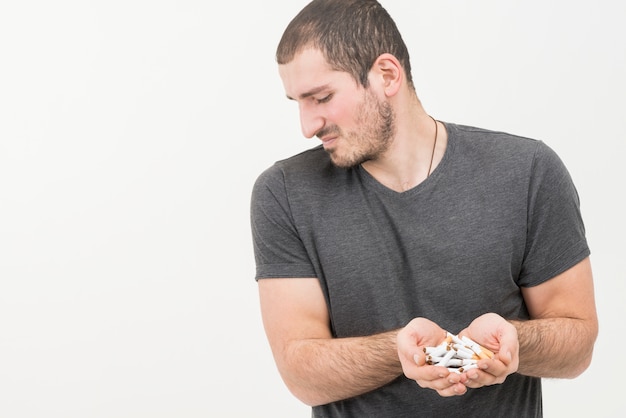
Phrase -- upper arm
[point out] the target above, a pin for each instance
(567, 295)
(292, 309)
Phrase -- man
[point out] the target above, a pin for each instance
(399, 228)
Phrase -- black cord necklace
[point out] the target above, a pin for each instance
(432, 157)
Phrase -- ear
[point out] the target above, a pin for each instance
(387, 73)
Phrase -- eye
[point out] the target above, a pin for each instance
(324, 99)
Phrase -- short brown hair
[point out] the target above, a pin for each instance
(351, 34)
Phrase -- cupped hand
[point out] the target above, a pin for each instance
(412, 339)
(499, 336)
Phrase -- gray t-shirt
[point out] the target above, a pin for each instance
(498, 213)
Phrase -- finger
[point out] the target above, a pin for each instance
(457, 389)
(475, 379)
(436, 377)
(489, 372)
(509, 347)
(508, 359)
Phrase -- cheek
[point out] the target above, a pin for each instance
(344, 114)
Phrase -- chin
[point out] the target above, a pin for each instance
(347, 163)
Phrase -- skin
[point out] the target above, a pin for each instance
(556, 343)
(335, 108)
(317, 368)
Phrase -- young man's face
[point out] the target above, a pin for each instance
(353, 124)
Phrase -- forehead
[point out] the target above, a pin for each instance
(308, 72)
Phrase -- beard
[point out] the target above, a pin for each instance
(374, 133)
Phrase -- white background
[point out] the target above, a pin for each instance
(131, 133)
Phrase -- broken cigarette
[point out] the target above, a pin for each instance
(457, 354)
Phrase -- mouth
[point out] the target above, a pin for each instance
(329, 135)
(329, 141)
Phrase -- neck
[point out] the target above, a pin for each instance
(413, 154)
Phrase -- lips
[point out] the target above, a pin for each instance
(329, 141)
(329, 135)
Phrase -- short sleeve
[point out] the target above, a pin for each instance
(556, 233)
(278, 249)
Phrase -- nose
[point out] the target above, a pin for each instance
(310, 121)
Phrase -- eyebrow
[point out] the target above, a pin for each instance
(311, 92)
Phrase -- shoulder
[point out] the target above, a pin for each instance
(489, 147)
(307, 170)
(304, 161)
(486, 138)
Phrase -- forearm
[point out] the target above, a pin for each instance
(555, 347)
(319, 371)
